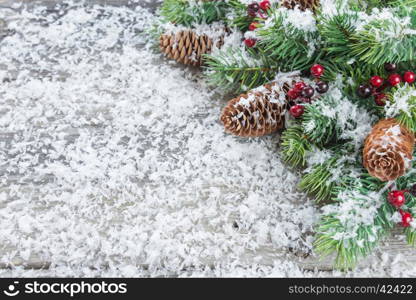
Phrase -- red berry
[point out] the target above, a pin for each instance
(253, 26)
(299, 86)
(297, 110)
(397, 198)
(376, 81)
(406, 218)
(264, 5)
(409, 77)
(293, 94)
(317, 70)
(305, 100)
(380, 99)
(395, 79)
(250, 42)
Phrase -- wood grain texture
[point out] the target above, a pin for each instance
(392, 245)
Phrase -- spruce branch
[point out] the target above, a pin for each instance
(295, 146)
(353, 226)
(319, 182)
(402, 106)
(283, 41)
(320, 128)
(384, 40)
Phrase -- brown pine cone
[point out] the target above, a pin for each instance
(187, 47)
(388, 150)
(301, 4)
(257, 113)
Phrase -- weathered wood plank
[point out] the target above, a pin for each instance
(393, 245)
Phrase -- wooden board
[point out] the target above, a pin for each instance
(393, 245)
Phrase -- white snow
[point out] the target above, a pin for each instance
(116, 160)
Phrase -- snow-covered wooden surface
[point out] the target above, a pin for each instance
(264, 237)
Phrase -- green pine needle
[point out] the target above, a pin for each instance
(319, 182)
(295, 146)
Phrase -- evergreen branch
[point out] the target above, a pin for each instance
(319, 181)
(384, 40)
(295, 146)
(402, 106)
(320, 128)
(235, 69)
(182, 12)
(336, 32)
(239, 18)
(410, 236)
(283, 41)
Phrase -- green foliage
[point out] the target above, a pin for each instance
(319, 182)
(353, 226)
(240, 20)
(234, 70)
(336, 32)
(283, 41)
(182, 12)
(295, 146)
(384, 39)
(320, 128)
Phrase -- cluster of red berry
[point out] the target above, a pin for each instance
(256, 10)
(378, 84)
(302, 93)
(398, 199)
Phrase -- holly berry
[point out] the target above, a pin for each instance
(380, 99)
(389, 67)
(395, 79)
(322, 87)
(406, 218)
(293, 94)
(376, 81)
(308, 91)
(265, 5)
(299, 86)
(396, 198)
(409, 77)
(250, 42)
(297, 110)
(253, 26)
(317, 70)
(364, 91)
(252, 9)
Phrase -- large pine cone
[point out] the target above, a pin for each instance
(259, 112)
(187, 47)
(301, 4)
(388, 150)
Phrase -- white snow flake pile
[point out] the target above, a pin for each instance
(113, 162)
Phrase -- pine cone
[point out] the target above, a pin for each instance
(259, 112)
(388, 150)
(187, 47)
(301, 4)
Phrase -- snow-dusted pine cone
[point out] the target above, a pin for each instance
(187, 47)
(259, 112)
(301, 4)
(388, 150)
